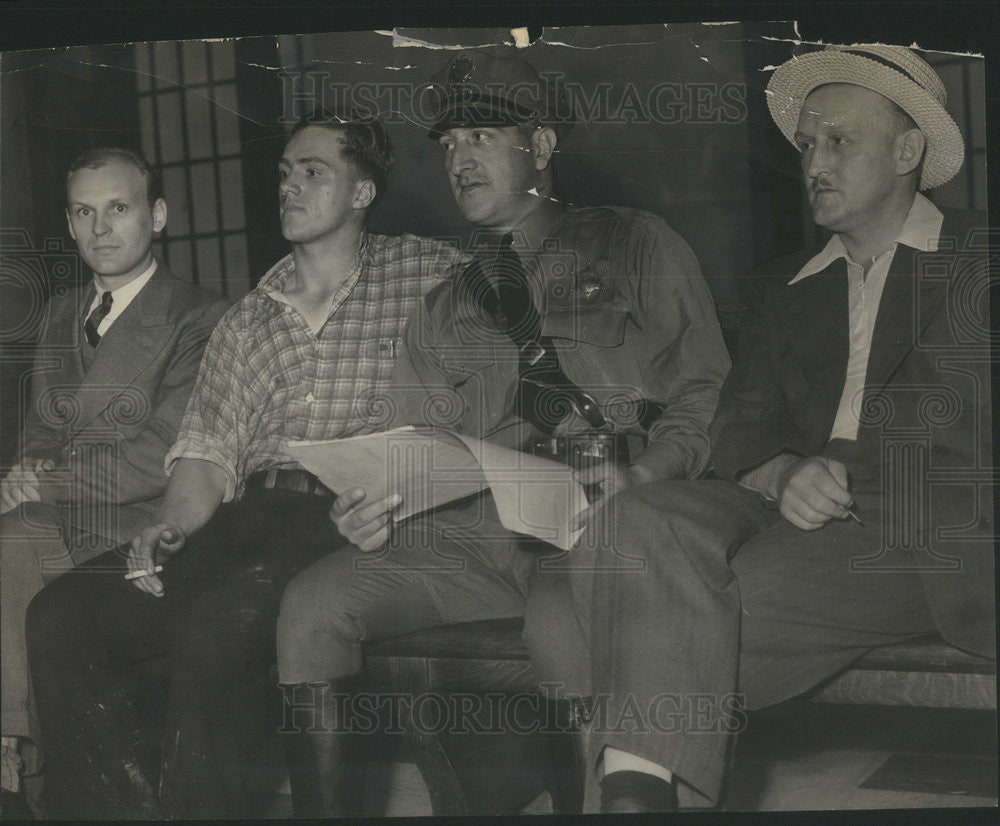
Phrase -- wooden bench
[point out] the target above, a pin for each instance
(489, 656)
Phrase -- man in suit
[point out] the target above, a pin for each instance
(114, 366)
(852, 442)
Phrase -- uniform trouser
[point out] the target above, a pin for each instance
(33, 552)
(90, 629)
(707, 602)
(455, 564)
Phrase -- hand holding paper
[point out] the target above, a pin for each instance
(428, 468)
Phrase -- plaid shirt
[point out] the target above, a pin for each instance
(266, 378)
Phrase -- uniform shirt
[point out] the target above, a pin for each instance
(921, 231)
(266, 378)
(120, 298)
(631, 317)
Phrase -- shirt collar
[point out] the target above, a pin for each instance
(125, 293)
(921, 231)
(274, 280)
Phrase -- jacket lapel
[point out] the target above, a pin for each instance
(814, 314)
(130, 345)
(909, 301)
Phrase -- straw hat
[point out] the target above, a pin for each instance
(892, 71)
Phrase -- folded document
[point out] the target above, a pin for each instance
(430, 467)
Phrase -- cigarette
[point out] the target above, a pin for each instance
(141, 574)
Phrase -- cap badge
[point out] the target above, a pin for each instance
(461, 71)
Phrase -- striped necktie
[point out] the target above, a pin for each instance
(95, 319)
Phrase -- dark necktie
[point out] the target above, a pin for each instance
(95, 319)
(545, 396)
(499, 278)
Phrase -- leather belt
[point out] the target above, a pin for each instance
(293, 479)
(583, 449)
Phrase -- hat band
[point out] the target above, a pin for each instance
(498, 104)
(887, 63)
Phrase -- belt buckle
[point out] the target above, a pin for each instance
(547, 446)
(591, 448)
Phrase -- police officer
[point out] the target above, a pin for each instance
(587, 333)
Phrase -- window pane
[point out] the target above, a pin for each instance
(237, 268)
(179, 259)
(199, 124)
(165, 66)
(223, 60)
(146, 125)
(142, 79)
(227, 120)
(193, 55)
(232, 195)
(178, 202)
(203, 205)
(209, 266)
(168, 109)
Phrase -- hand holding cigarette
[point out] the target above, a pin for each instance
(139, 574)
(153, 544)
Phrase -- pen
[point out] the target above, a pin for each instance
(141, 574)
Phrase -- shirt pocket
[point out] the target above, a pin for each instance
(599, 327)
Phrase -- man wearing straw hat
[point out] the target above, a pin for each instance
(853, 507)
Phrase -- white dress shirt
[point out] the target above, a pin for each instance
(120, 297)
(921, 231)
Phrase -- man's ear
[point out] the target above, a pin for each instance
(543, 145)
(159, 214)
(910, 146)
(69, 223)
(364, 194)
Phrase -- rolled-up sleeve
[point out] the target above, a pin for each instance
(216, 414)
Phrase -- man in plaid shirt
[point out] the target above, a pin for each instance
(305, 355)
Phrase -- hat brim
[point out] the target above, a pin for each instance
(792, 82)
(482, 110)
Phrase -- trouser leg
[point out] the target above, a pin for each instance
(83, 631)
(219, 657)
(660, 606)
(795, 614)
(559, 654)
(453, 565)
(807, 612)
(553, 633)
(87, 633)
(30, 544)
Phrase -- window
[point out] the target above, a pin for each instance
(191, 133)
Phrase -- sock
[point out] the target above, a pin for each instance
(654, 792)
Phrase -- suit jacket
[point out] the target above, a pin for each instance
(925, 413)
(108, 427)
